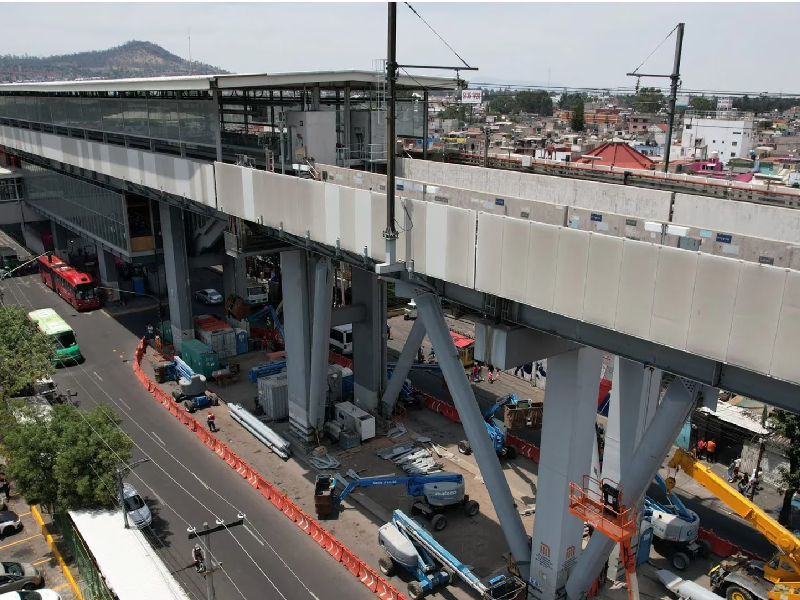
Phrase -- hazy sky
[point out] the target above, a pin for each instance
(728, 46)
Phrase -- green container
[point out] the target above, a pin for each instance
(199, 357)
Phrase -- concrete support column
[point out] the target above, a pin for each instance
(369, 339)
(634, 400)
(297, 326)
(320, 342)
(60, 236)
(403, 366)
(656, 443)
(568, 434)
(108, 273)
(216, 126)
(234, 276)
(173, 234)
(464, 399)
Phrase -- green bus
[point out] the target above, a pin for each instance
(54, 327)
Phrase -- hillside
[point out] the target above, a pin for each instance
(133, 59)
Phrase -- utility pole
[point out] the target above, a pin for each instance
(206, 532)
(210, 593)
(755, 478)
(674, 78)
(390, 234)
(673, 93)
(120, 486)
(486, 135)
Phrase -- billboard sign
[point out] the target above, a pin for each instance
(471, 96)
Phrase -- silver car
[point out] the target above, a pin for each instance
(209, 296)
(136, 507)
(19, 576)
(9, 522)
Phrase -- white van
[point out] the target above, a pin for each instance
(410, 311)
(136, 507)
(342, 338)
(257, 293)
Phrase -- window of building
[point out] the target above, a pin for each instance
(689, 126)
(715, 141)
(734, 143)
(733, 154)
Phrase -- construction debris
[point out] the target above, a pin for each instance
(528, 512)
(322, 460)
(396, 432)
(390, 453)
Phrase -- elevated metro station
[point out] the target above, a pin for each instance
(692, 292)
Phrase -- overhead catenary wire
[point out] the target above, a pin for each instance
(437, 35)
(655, 49)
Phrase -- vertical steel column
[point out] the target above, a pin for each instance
(173, 237)
(108, 271)
(320, 342)
(431, 314)
(425, 125)
(656, 442)
(346, 125)
(403, 366)
(369, 338)
(390, 233)
(568, 434)
(217, 123)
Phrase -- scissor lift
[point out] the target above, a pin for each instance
(599, 503)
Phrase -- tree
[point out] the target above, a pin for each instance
(538, 102)
(648, 100)
(454, 111)
(24, 352)
(576, 123)
(67, 460)
(788, 425)
(703, 104)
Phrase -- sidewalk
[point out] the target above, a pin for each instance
(133, 305)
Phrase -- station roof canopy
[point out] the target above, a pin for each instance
(277, 81)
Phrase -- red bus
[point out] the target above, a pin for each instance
(77, 288)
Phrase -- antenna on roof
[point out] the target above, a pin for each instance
(190, 52)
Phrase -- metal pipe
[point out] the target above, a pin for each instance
(403, 366)
(644, 464)
(475, 428)
(425, 125)
(262, 433)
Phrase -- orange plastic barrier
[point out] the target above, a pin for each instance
(724, 548)
(351, 562)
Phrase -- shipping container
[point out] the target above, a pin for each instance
(273, 396)
(200, 358)
(216, 334)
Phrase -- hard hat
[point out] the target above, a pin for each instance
(209, 412)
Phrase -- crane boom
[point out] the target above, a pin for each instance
(777, 534)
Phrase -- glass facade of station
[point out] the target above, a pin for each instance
(93, 209)
(173, 119)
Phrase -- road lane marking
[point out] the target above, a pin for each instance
(60, 587)
(24, 514)
(98, 376)
(203, 483)
(39, 562)
(124, 404)
(257, 538)
(158, 438)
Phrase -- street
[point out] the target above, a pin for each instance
(183, 483)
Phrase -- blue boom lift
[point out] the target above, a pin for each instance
(413, 549)
(437, 493)
(496, 432)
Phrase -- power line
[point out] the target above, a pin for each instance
(656, 48)
(437, 35)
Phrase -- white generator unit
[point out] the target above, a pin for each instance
(356, 420)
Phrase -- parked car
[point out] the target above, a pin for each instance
(208, 296)
(9, 522)
(19, 576)
(43, 594)
(136, 507)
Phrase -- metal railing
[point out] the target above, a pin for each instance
(91, 581)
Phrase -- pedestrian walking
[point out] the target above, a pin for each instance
(5, 487)
(518, 370)
(264, 343)
(475, 372)
(701, 448)
(743, 484)
(733, 469)
(711, 450)
(421, 355)
(493, 373)
(211, 421)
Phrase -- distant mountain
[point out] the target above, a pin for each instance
(133, 59)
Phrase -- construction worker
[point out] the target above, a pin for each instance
(199, 558)
(211, 421)
(701, 448)
(711, 450)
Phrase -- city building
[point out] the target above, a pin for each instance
(729, 133)
(641, 122)
(617, 154)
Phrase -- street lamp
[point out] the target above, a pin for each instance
(120, 473)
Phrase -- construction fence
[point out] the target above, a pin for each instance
(91, 583)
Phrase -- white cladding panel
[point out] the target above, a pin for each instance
(602, 275)
(542, 265)
(637, 283)
(672, 302)
(573, 255)
(436, 240)
(490, 253)
(755, 316)
(514, 273)
(785, 363)
(714, 296)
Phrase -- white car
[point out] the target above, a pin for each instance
(43, 594)
(209, 296)
(9, 522)
(137, 509)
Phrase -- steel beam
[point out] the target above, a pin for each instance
(471, 418)
(352, 313)
(403, 366)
